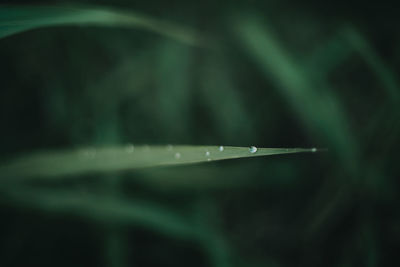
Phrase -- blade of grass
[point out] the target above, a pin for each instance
(70, 162)
(174, 88)
(314, 103)
(101, 209)
(114, 211)
(16, 19)
(387, 121)
(207, 217)
(383, 73)
(115, 243)
(312, 99)
(328, 56)
(224, 99)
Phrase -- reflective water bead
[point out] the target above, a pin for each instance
(253, 149)
(129, 148)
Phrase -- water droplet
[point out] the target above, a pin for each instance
(253, 149)
(314, 149)
(170, 147)
(221, 148)
(208, 159)
(207, 153)
(90, 152)
(129, 148)
(177, 155)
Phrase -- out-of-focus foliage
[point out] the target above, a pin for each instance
(266, 73)
(16, 19)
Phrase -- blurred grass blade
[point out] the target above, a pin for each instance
(16, 19)
(382, 72)
(328, 56)
(100, 209)
(55, 163)
(174, 87)
(218, 84)
(313, 101)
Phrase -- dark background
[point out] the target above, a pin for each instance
(273, 74)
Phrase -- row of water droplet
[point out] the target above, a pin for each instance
(129, 148)
(252, 150)
(91, 152)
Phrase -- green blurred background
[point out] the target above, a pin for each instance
(267, 73)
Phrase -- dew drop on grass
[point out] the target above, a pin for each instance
(177, 155)
(90, 152)
(314, 149)
(129, 148)
(207, 153)
(253, 149)
(221, 148)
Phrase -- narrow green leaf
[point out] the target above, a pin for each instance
(313, 101)
(16, 19)
(70, 162)
(118, 211)
(383, 73)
